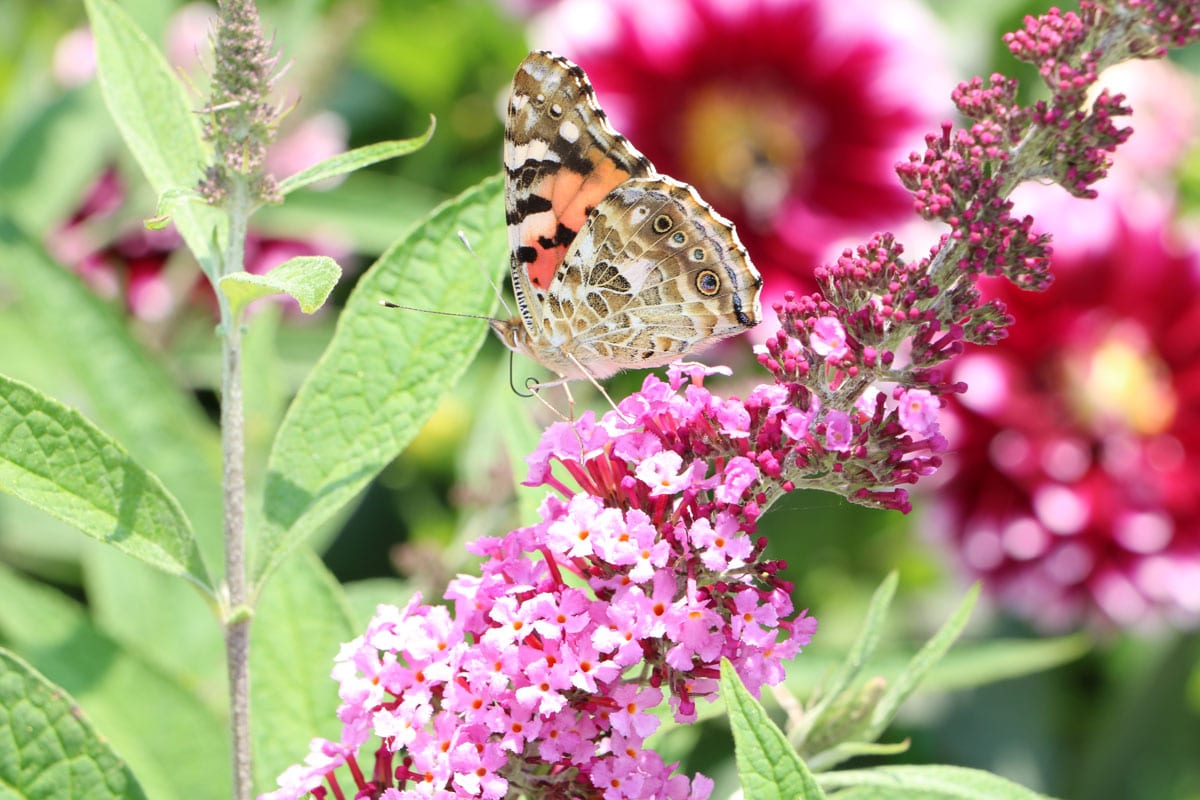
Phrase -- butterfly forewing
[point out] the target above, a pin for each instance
(561, 158)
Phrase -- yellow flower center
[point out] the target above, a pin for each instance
(742, 146)
(1121, 381)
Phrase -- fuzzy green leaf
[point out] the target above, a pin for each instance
(920, 665)
(72, 343)
(768, 767)
(69, 324)
(356, 159)
(177, 747)
(54, 459)
(862, 650)
(385, 370)
(306, 279)
(155, 116)
(52, 750)
(301, 620)
(927, 782)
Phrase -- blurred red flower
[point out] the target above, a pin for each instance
(788, 116)
(1075, 463)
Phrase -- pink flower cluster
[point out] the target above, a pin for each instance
(875, 339)
(636, 582)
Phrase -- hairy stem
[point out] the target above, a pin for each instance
(237, 621)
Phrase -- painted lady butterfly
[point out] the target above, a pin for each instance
(613, 265)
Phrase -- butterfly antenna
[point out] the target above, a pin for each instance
(390, 304)
(462, 237)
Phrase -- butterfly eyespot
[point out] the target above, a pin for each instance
(662, 223)
(678, 237)
(698, 254)
(539, 98)
(708, 283)
(639, 213)
(556, 111)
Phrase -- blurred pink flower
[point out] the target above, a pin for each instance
(788, 116)
(135, 263)
(524, 8)
(188, 33)
(74, 60)
(1075, 455)
(1166, 123)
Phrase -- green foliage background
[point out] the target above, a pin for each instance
(140, 651)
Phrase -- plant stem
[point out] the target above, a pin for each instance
(237, 621)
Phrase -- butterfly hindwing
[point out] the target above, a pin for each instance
(653, 272)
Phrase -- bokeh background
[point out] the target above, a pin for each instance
(1073, 484)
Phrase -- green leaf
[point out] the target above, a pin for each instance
(52, 750)
(306, 279)
(46, 166)
(933, 782)
(124, 389)
(54, 459)
(980, 663)
(73, 344)
(921, 664)
(863, 648)
(356, 159)
(153, 112)
(768, 767)
(300, 622)
(176, 746)
(384, 372)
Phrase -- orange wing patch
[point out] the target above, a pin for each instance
(546, 236)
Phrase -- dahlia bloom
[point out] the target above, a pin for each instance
(1076, 465)
(787, 116)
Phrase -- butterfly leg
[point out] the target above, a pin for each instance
(535, 390)
(599, 388)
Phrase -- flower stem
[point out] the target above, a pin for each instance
(237, 621)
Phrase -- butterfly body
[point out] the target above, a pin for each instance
(613, 265)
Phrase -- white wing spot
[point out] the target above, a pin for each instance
(569, 131)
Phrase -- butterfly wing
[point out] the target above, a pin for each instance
(654, 273)
(561, 159)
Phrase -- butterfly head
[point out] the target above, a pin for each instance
(512, 333)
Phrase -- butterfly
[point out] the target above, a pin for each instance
(614, 266)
